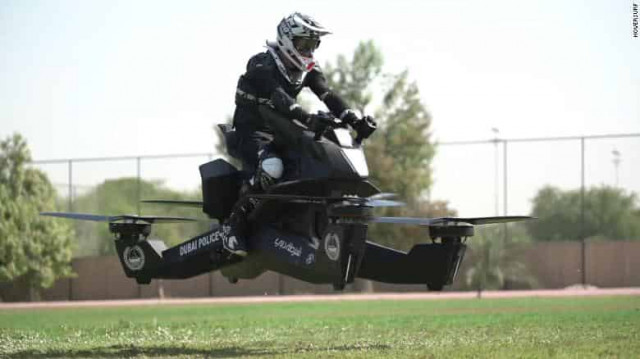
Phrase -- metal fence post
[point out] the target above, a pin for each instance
(70, 168)
(70, 171)
(496, 176)
(138, 186)
(582, 209)
(505, 172)
(505, 187)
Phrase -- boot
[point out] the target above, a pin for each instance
(233, 242)
(236, 228)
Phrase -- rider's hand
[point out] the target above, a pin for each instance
(317, 121)
(364, 127)
(350, 118)
(312, 122)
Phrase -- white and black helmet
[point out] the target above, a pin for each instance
(298, 37)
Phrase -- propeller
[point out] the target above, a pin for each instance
(377, 200)
(174, 203)
(110, 219)
(449, 220)
(384, 199)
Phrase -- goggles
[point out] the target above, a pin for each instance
(306, 45)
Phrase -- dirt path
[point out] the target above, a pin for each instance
(571, 292)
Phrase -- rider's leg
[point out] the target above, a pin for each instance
(269, 170)
(236, 227)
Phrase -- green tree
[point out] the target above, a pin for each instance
(353, 79)
(609, 213)
(120, 196)
(400, 152)
(33, 249)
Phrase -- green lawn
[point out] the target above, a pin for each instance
(509, 328)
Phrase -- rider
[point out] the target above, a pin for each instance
(275, 78)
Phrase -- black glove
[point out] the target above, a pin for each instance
(364, 128)
(349, 117)
(318, 123)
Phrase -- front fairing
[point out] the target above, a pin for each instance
(335, 156)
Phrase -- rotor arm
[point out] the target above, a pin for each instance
(434, 264)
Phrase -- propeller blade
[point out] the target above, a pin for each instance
(488, 220)
(304, 198)
(103, 218)
(384, 203)
(406, 220)
(287, 197)
(173, 203)
(382, 195)
(161, 219)
(80, 216)
(377, 200)
(452, 220)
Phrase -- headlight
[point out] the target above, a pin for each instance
(357, 160)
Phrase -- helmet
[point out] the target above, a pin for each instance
(298, 37)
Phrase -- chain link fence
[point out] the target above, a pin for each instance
(502, 176)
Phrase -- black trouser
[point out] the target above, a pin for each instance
(249, 143)
(253, 135)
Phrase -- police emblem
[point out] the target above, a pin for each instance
(332, 246)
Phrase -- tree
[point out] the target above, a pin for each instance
(120, 196)
(34, 249)
(609, 213)
(400, 151)
(353, 79)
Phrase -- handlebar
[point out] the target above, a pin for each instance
(323, 121)
(363, 127)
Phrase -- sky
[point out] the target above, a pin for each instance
(125, 78)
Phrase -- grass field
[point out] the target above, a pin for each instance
(510, 328)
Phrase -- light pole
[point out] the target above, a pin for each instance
(496, 174)
(616, 164)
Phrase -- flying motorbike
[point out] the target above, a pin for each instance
(312, 225)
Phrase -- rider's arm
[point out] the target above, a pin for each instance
(261, 75)
(287, 105)
(338, 107)
(318, 84)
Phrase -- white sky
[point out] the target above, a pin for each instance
(113, 78)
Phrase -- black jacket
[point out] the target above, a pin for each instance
(263, 83)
